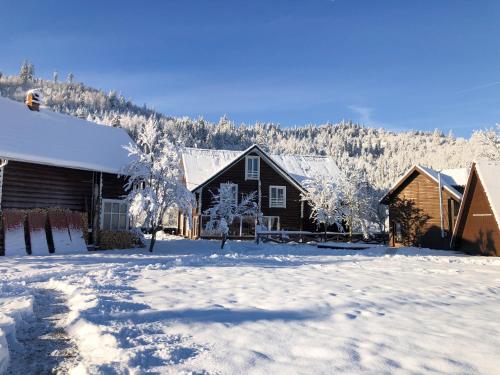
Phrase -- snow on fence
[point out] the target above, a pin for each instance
(40, 231)
(305, 236)
(67, 234)
(37, 222)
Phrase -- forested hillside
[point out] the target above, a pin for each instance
(384, 154)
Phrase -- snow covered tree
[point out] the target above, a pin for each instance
(356, 199)
(489, 141)
(155, 179)
(71, 78)
(55, 77)
(325, 198)
(26, 72)
(226, 208)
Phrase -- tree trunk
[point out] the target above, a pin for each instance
(153, 240)
(350, 229)
(326, 238)
(224, 239)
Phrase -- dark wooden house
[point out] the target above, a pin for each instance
(436, 195)
(275, 178)
(49, 160)
(478, 224)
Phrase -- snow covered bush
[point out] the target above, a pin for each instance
(155, 179)
(226, 208)
(325, 198)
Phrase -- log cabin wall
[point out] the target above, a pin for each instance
(477, 231)
(28, 185)
(290, 217)
(425, 193)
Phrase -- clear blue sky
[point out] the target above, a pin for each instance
(400, 64)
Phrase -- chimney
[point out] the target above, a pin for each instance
(33, 100)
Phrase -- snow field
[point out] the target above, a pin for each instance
(260, 309)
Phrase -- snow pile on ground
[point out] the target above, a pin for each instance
(261, 309)
(13, 310)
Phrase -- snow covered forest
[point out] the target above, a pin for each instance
(383, 154)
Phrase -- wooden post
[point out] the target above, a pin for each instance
(3, 164)
(96, 205)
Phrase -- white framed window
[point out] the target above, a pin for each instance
(252, 168)
(277, 196)
(234, 188)
(114, 215)
(271, 223)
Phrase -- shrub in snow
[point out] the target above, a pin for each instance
(155, 179)
(226, 208)
(410, 219)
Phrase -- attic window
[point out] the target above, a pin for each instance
(252, 168)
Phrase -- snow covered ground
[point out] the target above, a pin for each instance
(262, 309)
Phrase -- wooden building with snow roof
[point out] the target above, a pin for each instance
(54, 161)
(437, 195)
(478, 224)
(277, 179)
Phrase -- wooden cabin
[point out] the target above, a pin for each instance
(478, 224)
(276, 179)
(436, 196)
(50, 160)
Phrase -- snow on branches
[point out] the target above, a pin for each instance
(325, 197)
(345, 202)
(489, 140)
(155, 179)
(226, 208)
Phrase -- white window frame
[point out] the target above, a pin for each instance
(277, 204)
(269, 218)
(250, 175)
(235, 191)
(120, 201)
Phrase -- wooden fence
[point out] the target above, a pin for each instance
(304, 237)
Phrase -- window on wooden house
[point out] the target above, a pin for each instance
(234, 187)
(114, 215)
(252, 168)
(271, 223)
(277, 196)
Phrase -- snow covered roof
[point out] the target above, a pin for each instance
(489, 172)
(450, 179)
(201, 164)
(51, 138)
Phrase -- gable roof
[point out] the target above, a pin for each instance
(450, 179)
(51, 138)
(202, 165)
(487, 172)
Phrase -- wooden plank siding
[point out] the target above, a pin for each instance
(478, 231)
(425, 193)
(290, 217)
(29, 185)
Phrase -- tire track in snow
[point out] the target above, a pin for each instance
(42, 345)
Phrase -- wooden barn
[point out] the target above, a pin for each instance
(478, 224)
(54, 164)
(276, 179)
(430, 197)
